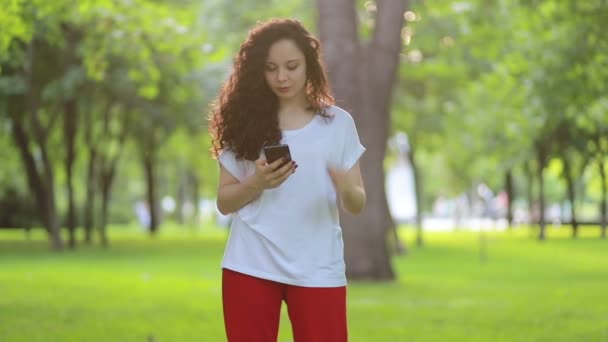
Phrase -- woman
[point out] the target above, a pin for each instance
(285, 241)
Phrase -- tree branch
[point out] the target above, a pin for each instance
(338, 30)
(386, 46)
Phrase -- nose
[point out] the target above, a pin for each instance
(281, 75)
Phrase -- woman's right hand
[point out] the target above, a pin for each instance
(270, 176)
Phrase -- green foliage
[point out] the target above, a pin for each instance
(12, 26)
(481, 84)
(484, 84)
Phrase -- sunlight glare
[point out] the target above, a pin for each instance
(409, 16)
(415, 56)
(370, 6)
(406, 35)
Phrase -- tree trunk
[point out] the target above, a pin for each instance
(106, 185)
(532, 219)
(107, 175)
(70, 127)
(571, 194)
(39, 178)
(33, 177)
(603, 208)
(150, 170)
(541, 158)
(418, 189)
(107, 167)
(181, 197)
(194, 179)
(89, 208)
(70, 124)
(362, 78)
(38, 189)
(91, 178)
(51, 207)
(510, 195)
(40, 135)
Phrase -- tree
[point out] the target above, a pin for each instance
(93, 67)
(362, 74)
(25, 54)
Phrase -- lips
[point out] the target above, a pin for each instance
(283, 89)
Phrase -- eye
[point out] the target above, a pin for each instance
(270, 67)
(292, 66)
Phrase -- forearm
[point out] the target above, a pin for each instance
(232, 197)
(353, 199)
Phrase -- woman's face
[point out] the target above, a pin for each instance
(285, 70)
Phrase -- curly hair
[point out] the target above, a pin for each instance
(244, 117)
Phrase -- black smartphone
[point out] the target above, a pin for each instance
(274, 152)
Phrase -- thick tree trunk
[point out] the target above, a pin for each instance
(510, 195)
(70, 124)
(571, 194)
(337, 23)
(362, 79)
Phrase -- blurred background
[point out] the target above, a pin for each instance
(486, 127)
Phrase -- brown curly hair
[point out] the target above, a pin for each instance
(244, 116)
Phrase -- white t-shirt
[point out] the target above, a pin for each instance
(291, 234)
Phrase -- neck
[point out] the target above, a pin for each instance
(294, 105)
(294, 114)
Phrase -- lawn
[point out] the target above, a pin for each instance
(168, 289)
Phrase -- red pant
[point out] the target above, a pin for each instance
(252, 309)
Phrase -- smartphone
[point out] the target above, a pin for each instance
(275, 152)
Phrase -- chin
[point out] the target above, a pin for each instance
(285, 96)
(289, 95)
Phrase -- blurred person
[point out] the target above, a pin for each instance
(142, 211)
(285, 240)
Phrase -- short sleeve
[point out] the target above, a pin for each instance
(236, 168)
(352, 149)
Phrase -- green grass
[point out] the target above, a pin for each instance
(168, 288)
